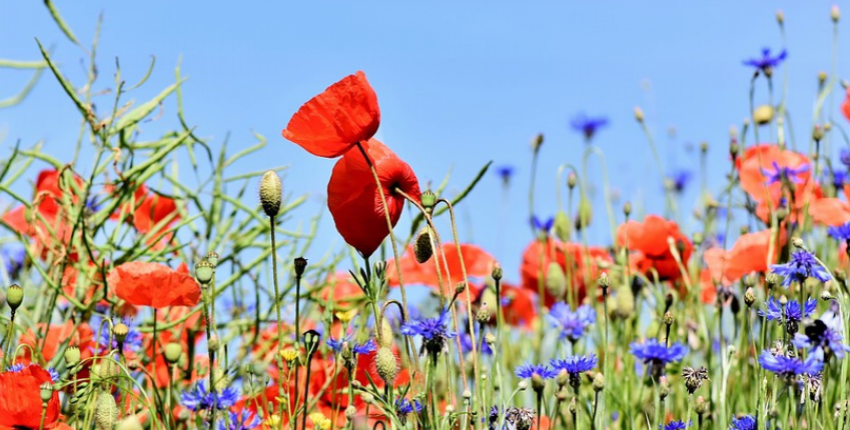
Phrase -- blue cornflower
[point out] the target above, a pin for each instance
(680, 179)
(240, 421)
(587, 125)
(15, 368)
(529, 370)
(802, 265)
(466, 343)
(844, 156)
(675, 425)
(746, 422)
(658, 355)
(819, 336)
(785, 172)
(572, 325)
(837, 177)
(434, 331)
(575, 365)
(13, 258)
(505, 172)
(54, 375)
(787, 366)
(357, 348)
(544, 225)
(766, 63)
(404, 407)
(840, 232)
(792, 311)
(199, 398)
(93, 205)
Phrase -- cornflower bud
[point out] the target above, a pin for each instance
(749, 297)
(598, 382)
(638, 114)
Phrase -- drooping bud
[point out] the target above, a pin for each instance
(585, 214)
(638, 114)
(556, 280)
(763, 114)
(106, 411)
(300, 264)
(271, 193)
(386, 365)
(522, 385)
(203, 272)
(422, 248)
(14, 296)
(173, 351)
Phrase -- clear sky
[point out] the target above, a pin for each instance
(459, 84)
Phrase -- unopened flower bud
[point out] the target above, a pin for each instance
(627, 209)
(835, 13)
(556, 280)
(213, 342)
(772, 279)
(14, 296)
(497, 272)
(173, 351)
(663, 388)
(130, 423)
(523, 385)
(368, 398)
(825, 295)
(562, 226)
(562, 378)
(467, 394)
(422, 248)
(483, 314)
(749, 297)
(350, 412)
(120, 331)
(598, 382)
(428, 200)
(537, 142)
(572, 406)
(572, 179)
(668, 318)
(638, 114)
(203, 272)
(798, 243)
(450, 409)
(386, 365)
(460, 288)
(780, 17)
(668, 301)
(783, 300)
(490, 339)
(604, 281)
(300, 264)
(703, 147)
(106, 411)
(386, 334)
(817, 133)
(701, 406)
(271, 193)
(537, 383)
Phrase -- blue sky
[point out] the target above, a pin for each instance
(459, 84)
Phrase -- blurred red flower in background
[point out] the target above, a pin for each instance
(581, 265)
(331, 123)
(749, 254)
(154, 285)
(80, 336)
(353, 197)
(649, 241)
(47, 201)
(479, 264)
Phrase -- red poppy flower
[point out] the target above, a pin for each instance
(581, 265)
(479, 264)
(154, 285)
(20, 399)
(518, 305)
(845, 106)
(761, 168)
(341, 291)
(751, 253)
(48, 204)
(830, 211)
(650, 239)
(80, 336)
(331, 123)
(353, 197)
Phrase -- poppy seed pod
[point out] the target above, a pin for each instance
(428, 199)
(14, 296)
(763, 114)
(422, 248)
(106, 412)
(120, 331)
(72, 356)
(203, 272)
(300, 265)
(386, 365)
(271, 192)
(173, 351)
(212, 258)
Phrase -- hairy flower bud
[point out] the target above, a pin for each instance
(300, 265)
(385, 339)
(386, 365)
(598, 382)
(562, 226)
(106, 411)
(271, 193)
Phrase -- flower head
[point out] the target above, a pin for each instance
(658, 355)
(746, 422)
(544, 225)
(792, 311)
(844, 156)
(434, 331)
(840, 232)
(674, 425)
(767, 62)
(243, 420)
(155, 285)
(787, 366)
(528, 370)
(573, 325)
(820, 337)
(199, 398)
(802, 265)
(404, 407)
(331, 123)
(680, 179)
(575, 364)
(505, 172)
(133, 340)
(357, 348)
(587, 125)
(13, 258)
(20, 401)
(778, 174)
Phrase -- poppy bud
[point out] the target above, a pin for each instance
(598, 382)
(780, 17)
(817, 133)
(497, 272)
(120, 331)
(130, 423)
(562, 226)
(428, 200)
(627, 209)
(556, 280)
(385, 339)
(14, 296)
(173, 351)
(571, 180)
(835, 13)
(46, 392)
(212, 258)
(585, 214)
(749, 297)
(203, 272)
(300, 264)
(106, 412)
(422, 248)
(763, 114)
(271, 192)
(638, 114)
(72, 356)
(386, 365)
(537, 142)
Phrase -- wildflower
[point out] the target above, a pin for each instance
(657, 355)
(244, 420)
(478, 262)
(573, 325)
(679, 180)
(844, 153)
(802, 265)
(675, 425)
(353, 197)
(650, 240)
(505, 172)
(518, 418)
(587, 125)
(527, 371)
(582, 263)
(791, 313)
(694, 377)
(840, 232)
(13, 258)
(543, 225)
(820, 337)
(404, 407)
(331, 123)
(748, 254)
(745, 422)
(785, 173)
(49, 192)
(838, 178)
(153, 213)
(575, 366)
(358, 348)
(20, 402)
(199, 398)
(757, 162)
(434, 331)
(132, 341)
(787, 366)
(466, 343)
(55, 335)
(289, 354)
(154, 285)
(767, 63)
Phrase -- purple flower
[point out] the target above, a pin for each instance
(240, 421)
(505, 172)
(837, 177)
(819, 336)
(434, 331)
(675, 425)
(15, 368)
(746, 422)
(802, 265)
(658, 355)
(544, 225)
(587, 125)
(766, 63)
(840, 232)
(572, 325)
(575, 364)
(404, 407)
(358, 348)
(199, 398)
(792, 311)
(13, 257)
(680, 180)
(527, 370)
(787, 366)
(786, 173)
